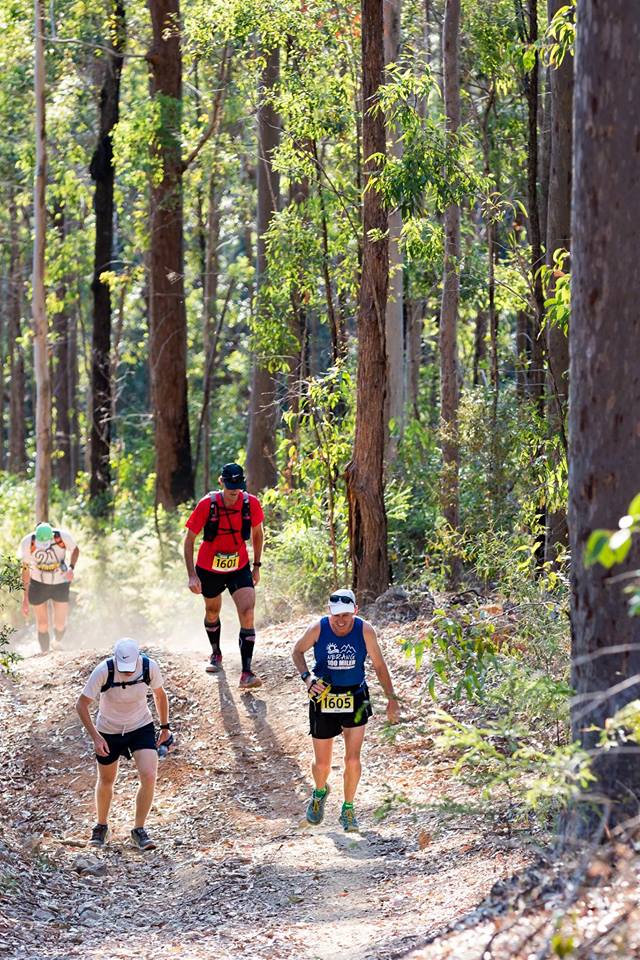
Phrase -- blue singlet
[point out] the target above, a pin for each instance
(340, 660)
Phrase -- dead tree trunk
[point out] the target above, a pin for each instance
(365, 479)
(558, 236)
(604, 383)
(40, 332)
(450, 290)
(102, 172)
(168, 318)
(261, 444)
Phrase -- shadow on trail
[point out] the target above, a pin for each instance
(262, 753)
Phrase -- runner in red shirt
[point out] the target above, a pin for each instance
(227, 517)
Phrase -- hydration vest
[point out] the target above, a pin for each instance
(57, 539)
(212, 525)
(110, 682)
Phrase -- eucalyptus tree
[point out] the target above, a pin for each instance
(604, 388)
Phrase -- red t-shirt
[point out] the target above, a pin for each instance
(229, 538)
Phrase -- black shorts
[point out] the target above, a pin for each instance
(325, 726)
(214, 583)
(41, 592)
(124, 744)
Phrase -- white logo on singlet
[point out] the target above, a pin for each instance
(341, 658)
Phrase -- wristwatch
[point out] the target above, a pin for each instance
(303, 676)
(257, 563)
(165, 726)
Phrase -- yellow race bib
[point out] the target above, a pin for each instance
(337, 703)
(224, 562)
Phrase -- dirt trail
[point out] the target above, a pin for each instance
(237, 873)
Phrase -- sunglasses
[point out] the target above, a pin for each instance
(337, 598)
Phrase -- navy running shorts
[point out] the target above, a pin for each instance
(125, 744)
(325, 726)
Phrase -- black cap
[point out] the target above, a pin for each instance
(232, 476)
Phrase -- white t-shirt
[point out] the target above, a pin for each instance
(46, 560)
(122, 710)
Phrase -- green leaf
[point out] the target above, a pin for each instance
(597, 549)
(634, 507)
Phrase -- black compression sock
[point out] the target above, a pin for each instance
(247, 643)
(213, 632)
(43, 640)
(60, 635)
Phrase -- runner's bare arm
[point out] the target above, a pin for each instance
(382, 672)
(162, 706)
(72, 563)
(305, 643)
(82, 706)
(257, 540)
(194, 581)
(26, 576)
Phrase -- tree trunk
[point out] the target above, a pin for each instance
(210, 321)
(394, 316)
(61, 464)
(168, 318)
(39, 313)
(3, 354)
(102, 172)
(17, 451)
(365, 479)
(450, 290)
(261, 466)
(558, 236)
(604, 380)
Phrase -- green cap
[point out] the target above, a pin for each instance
(44, 531)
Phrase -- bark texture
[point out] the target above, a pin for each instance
(365, 483)
(558, 235)
(102, 172)
(261, 467)
(168, 319)
(450, 286)
(39, 313)
(604, 376)
(17, 451)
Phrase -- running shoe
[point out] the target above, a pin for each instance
(141, 839)
(99, 835)
(315, 808)
(215, 663)
(349, 820)
(249, 680)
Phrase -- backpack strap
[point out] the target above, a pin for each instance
(146, 671)
(33, 543)
(211, 526)
(59, 542)
(108, 684)
(246, 516)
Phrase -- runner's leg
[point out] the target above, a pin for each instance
(245, 601)
(41, 613)
(107, 773)
(147, 763)
(353, 740)
(212, 626)
(60, 617)
(321, 766)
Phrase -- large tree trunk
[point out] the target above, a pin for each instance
(168, 318)
(39, 313)
(102, 172)
(558, 236)
(261, 444)
(450, 289)
(17, 451)
(604, 380)
(60, 366)
(365, 481)
(394, 315)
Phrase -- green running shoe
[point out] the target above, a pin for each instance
(315, 808)
(349, 820)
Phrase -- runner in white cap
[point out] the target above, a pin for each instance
(46, 575)
(124, 727)
(339, 696)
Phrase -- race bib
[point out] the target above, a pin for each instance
(223, 562)
(337, 703)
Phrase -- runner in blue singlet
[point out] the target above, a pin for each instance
(339, 697)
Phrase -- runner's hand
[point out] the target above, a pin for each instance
(162, 736)
(194, 583)
(255, 573)
(69, 574)
(25, 605)
(316, 687)
(101, 745)
(393, 711)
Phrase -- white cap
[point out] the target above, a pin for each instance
(342, 601)
(126, 653)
